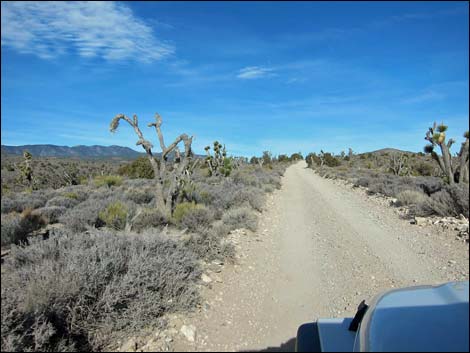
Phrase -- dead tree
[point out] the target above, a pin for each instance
(454, 173)
(399, 164)
(174, 177)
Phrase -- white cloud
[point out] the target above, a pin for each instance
(107, 30)
(252, 72)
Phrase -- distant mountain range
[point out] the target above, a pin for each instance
(73, 152)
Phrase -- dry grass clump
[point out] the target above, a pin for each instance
(411, 197)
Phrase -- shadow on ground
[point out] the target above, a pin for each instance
(288, 346)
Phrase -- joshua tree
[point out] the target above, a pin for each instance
(26, 168)
(175, 177)
(454, 172)
(322, 158)
(267, 157)
(218, 164)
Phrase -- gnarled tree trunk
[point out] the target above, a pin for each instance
(165, 203)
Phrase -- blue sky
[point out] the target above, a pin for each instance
(280, 76)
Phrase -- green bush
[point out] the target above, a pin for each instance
(108, 180)
(139, 168)
(114, 215)
(423, 169)
(296, 157)
(71, 195)
(330, 160)
(182, 209)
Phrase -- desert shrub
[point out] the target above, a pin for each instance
(79, 193)
(148, 218)
(108, 180)
(62, 201)
(254, 197)
(330, 160)
(460, 195)
(183, 208)
(140, 196)
(79, 291)
(139, 168)
(196, 218)
(50, 214)
(13, 230)
(296, 157)
(8, 205)
(16, 227)
(268, 188)
(209, 244)
(241, 217)
(84, 215)
(228, 194)
(363, 181)
(423, 169)
(114, 215)
(243, 176)
(71, 195)
(429, 185)
(411, 197)
(21, 201)
(452, 200)
(391, 185)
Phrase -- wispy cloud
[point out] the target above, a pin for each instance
(107, 30)
(424, 97)
(418, 16)
(253, 72)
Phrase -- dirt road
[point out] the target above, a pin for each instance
(319, 251)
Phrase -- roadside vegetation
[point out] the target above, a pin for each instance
(122, 245)
(432, 182)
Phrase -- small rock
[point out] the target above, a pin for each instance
(188, 331)
(419, 221)
(130, 345)
(172, 331)
(205, 278)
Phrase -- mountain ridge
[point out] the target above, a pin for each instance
(78, 151)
